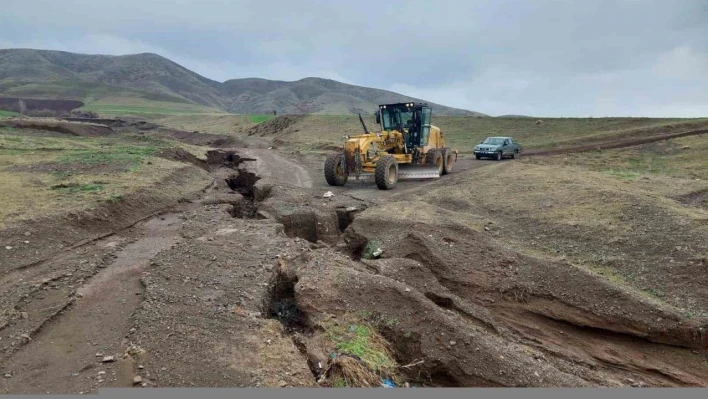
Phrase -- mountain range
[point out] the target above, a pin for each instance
(147, 77)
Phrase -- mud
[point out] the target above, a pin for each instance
(260, 280)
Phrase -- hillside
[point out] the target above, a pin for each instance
(149, 82)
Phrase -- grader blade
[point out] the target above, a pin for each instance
(411, 172)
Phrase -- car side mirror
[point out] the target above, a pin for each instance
(378, 117)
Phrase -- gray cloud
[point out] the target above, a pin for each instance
(545, 58)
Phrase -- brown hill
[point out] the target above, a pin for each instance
(47, 74)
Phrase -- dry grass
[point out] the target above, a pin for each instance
(359, 355)
(683, 158)
(347, 372)
(318, 132)
(28, 195)
(632, 233)
(226, 124)
(53, 174)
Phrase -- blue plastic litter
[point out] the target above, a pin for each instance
(388, 383)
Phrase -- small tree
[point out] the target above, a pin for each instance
(275, 113)
(22, 106)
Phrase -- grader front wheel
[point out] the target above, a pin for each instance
(435, 157)
(335, 170)
(447, 161)
(386, 174)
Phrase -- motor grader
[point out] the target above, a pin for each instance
(407, 147)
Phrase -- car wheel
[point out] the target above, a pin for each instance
(499, 156)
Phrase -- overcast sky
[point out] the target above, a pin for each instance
(543, 58)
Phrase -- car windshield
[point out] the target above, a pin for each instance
(493, 141)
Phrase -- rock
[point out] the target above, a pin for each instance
(486, 228)
(101, 373)
(452, 342)
(24, 315)
(99, 355)
(137, 380)
(282, 383)
(328, 194)
(26, 337)
(27, 234)
(26, 242)
(351, 209)
(140, 367)
(8, 247)
(408, 290)
(108, 359)
(8, 375)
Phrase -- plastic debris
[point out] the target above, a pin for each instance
(388, 383)
(328, 194)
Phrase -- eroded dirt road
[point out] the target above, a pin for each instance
(247, 284)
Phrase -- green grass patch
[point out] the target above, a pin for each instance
(78, 188)
(261, 118)
(6, 114)
(340, 383)
(362, 340)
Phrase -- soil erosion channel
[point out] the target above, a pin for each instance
(260, 281)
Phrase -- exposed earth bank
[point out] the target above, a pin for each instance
(254, 278)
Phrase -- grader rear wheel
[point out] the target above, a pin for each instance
(386, 174)
(335, 170)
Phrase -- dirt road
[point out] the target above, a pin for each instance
(205, 294)
(73, 335)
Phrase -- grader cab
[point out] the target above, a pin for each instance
(407, 146)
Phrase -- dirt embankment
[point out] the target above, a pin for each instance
(264, 282)
(53, 125)
(49, 235)
(275, 127)
(205, 139)
(647, 136)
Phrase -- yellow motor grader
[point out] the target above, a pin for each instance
(407, 147)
